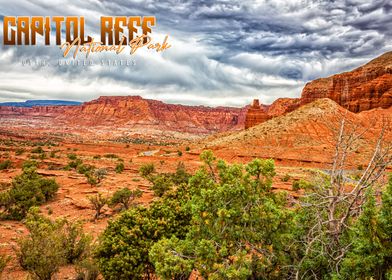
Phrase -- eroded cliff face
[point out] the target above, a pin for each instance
(133, 111)
(364, 88)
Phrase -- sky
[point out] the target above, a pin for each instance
(223, 53)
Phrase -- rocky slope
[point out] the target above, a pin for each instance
(306, 135)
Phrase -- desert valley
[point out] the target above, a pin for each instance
(121, 134)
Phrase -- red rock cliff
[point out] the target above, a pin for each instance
(364, 88)
(119, 111)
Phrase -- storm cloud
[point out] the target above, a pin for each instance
(223, 52)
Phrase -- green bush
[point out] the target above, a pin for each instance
(95, 176)
(3, 262)
(125, 197)
(37, 150)
(300, 185)
(27, 189)
(75, 242)
(84, 168)
(166, 181)
(50, 244)
(74, 164)
(124, 246)
(111, 156)
(119, 167)
(19, 151)
(72, 156)
(179, 153)
(6, 164)
(146, 170)
(41, 252)
(240, 228)
(286, 178)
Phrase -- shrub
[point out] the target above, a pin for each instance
(125, 243)
(300, 184)
(146, 170)
(98, 202)
(166, 181)
(97, 157)
(74, 164)
(19, 151)
(41, 252)
(95, 176)
(72, 156)
(51, 244)
(125, 197)
(84, 168)
(187, 149)
(37, 150)
(87, 269)
(3, 262)
(75, 242)
(119, 167)
(286, 178)
(240, 228)
(28, 189)
(6, 164)
(110, 156)
(179, 153)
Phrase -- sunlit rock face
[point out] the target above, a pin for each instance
(365, 88)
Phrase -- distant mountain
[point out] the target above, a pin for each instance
(31, 103)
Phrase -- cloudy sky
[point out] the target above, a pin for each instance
(223, 52)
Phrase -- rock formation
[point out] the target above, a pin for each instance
(255, 115)
(135, 111)
(364, 88)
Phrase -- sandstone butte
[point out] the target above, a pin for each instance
(365, 88)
